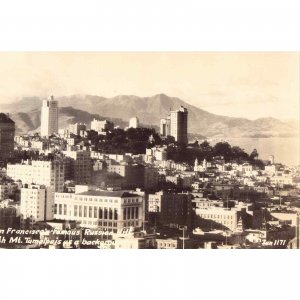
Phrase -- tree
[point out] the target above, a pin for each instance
(223, 149)
(169, 140)
(239, 154)
(254, 154)
(204, 144)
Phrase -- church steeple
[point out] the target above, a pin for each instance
(196, 164)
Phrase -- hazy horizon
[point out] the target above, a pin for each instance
(16, 100)
(237, 84)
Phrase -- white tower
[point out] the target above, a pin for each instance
(49, 117)
(134, 122)
(271, 159)
(204, 164)
(196, 165)
(165, 126)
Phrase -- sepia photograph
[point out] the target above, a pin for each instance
(149, 150)
(149, 125)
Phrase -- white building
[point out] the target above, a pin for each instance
(38, 145)
(102, 126)
(281, 180)
(49, 117)
(226, 217)
(134, 240)
(134, 122)
(165, 126)
(36, 203)
(44, 172)
(77, 128)
(106, 210)
(160, 154)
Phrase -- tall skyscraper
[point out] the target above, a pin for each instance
(7, 134)
(179, 123)
(165, 126)
(49, 117)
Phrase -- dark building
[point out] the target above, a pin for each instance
(179, 125)
(170, 209)
(133, 174)
(8, 217)
(7, 134)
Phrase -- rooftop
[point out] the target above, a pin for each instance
(116, 194)
(4, 118)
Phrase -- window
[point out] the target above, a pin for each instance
(60, 209)
(84, 211)
(65, 209)
(136, 212)
(95, 212)
(110, 214)
(75, 210)
(128, 213)
(124, 213)
(100, 213)
(80, 211)
(105, 213)
(55, 209)
(115, 214)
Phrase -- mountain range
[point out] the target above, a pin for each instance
(84, 108)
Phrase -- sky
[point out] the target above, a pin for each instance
(237, 84)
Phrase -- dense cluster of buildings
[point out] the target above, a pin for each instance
(141, 200)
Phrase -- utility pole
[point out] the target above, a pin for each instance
(183, 228)
(297, 230)
(183, 238)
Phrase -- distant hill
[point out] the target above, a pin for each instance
(30, 122)
(83, 108)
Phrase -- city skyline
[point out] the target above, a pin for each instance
(100, 183)
(104, 186)
(240, 84)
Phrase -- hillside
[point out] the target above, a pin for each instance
(83, 108)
